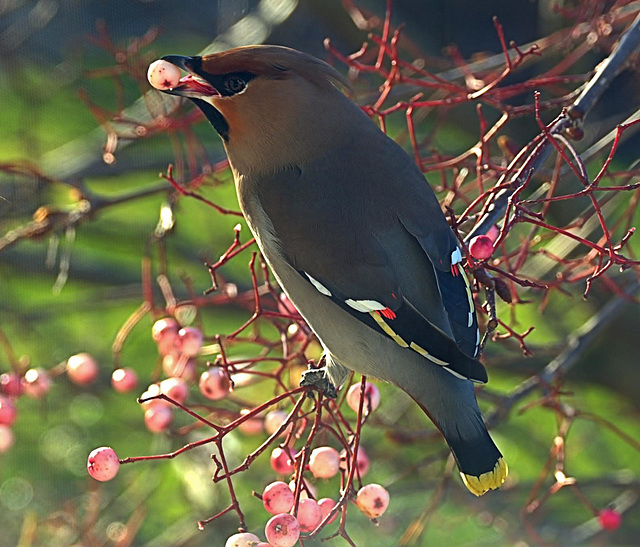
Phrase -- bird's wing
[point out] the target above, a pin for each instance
(440, 245)
(347, 248)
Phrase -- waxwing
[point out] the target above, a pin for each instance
(352, 232)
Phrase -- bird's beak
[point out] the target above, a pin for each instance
(195, 84)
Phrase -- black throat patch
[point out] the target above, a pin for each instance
(215, 117)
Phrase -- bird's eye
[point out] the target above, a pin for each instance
(234, 84)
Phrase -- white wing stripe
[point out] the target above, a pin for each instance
(321, 288)
(456, 256)
(364, 306)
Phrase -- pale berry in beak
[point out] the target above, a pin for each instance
(163, 75)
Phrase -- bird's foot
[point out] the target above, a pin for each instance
(317, 378)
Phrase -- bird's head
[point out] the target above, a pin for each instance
(271, 105)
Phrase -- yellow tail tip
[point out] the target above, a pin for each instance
(490, 480)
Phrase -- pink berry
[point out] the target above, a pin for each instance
(296, 333)
(11, 384)
(282, 530)
(152, 391)
(172, 364)
(158, 418)
(165, 334)
(6, 438)
(324, 462)
(277, 498)
(609, 519)
(36, 383)
(124, 380)
(274, 419)
(493, 233)
(243, 539)
(481, 247)
(103, 463)
(309, 515)
(286, 306)
(179, 366)
(189, 341)
(371, 400)
(362, 461)
(214, 383)
(372, 500)
(8, 412)
(82, 369)
(175, 388)
(252, 426)
(326, 505)
(163, 74)
(281, 462)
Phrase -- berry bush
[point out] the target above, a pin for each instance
(190, 371)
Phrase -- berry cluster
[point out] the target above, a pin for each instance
(294, 506)
(82, 369)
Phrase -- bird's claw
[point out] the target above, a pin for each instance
(317, 378)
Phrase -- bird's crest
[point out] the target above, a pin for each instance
(274, 62)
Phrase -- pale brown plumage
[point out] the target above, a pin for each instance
(266, 135)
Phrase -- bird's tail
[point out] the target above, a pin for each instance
(482, 466)
(454, 410)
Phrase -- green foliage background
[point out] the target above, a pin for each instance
(45, 492)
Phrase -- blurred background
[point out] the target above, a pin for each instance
(69, 289)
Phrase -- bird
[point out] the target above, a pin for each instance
(352, 232)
